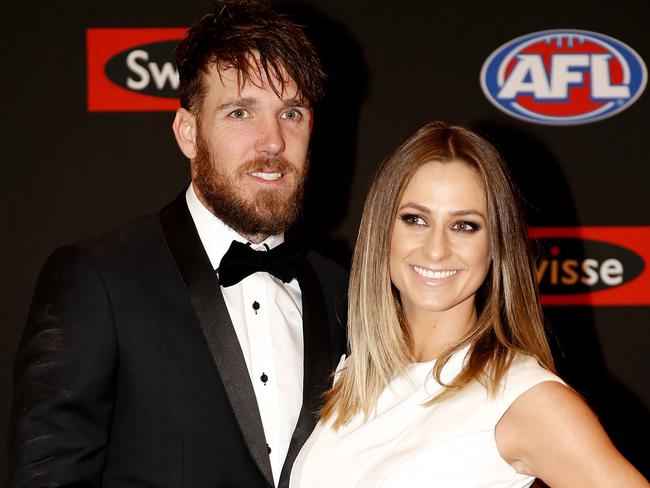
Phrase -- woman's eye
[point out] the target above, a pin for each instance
(412, 219)
(466, 226)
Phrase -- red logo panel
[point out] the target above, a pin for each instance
(121, 75)
(593, 265)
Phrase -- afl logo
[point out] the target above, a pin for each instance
(563, 77)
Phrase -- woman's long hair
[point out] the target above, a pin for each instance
(509, 314)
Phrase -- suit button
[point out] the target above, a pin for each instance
(268, 448)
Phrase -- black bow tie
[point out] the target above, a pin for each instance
(241, 260)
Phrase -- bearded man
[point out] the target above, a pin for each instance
(192, 348)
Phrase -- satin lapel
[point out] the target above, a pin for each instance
(316, 339)
(212, 314)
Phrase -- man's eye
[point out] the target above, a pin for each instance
(412, 219)
(292, 114)
(240, 113)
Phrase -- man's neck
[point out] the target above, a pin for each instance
(255, 238)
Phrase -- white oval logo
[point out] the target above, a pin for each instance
(563, 77)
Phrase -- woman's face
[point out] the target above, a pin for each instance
(439, 253)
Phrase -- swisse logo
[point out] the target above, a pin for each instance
(146, 69)
(563, 77)
(593, 265)
(579, 266)
(132, 69)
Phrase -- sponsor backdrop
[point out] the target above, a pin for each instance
(89, 94)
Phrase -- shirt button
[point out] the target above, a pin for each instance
(264, 378)
(256, 307)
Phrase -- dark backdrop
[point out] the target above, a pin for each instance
(393, 65)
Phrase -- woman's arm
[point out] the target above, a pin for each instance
(549, 432)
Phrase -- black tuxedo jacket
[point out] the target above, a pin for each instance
(130, 373)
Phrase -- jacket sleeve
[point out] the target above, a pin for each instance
(64, 378)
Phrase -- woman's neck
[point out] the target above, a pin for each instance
(434, 332)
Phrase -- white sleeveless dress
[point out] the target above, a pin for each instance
(403, 444)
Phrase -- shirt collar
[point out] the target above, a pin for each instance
(215, 235)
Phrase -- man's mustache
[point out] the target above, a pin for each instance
(275, 164)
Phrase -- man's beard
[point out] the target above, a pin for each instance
(272, 210)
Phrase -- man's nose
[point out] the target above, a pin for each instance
(270, 139)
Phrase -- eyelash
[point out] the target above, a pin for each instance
(469, 226)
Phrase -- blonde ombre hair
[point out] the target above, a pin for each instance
(509, 314)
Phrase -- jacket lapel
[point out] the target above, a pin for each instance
(316, 339)
(214, 320)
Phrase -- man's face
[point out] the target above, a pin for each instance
(251, 153)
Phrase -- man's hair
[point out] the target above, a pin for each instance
(509, 313)
(255, 40)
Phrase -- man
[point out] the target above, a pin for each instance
(192, 348)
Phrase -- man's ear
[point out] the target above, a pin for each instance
(184, 127)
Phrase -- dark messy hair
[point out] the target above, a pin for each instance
(255, 40)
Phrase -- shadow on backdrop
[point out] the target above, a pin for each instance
(334, 140)
(572, 331)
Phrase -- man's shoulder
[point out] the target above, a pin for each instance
(144, 230)
(133, 241)
(136, 233)
(117, 256)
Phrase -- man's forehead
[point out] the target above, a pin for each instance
(232, 79)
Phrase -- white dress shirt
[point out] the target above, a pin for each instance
(269, 332)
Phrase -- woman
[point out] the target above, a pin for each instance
(450, 380)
